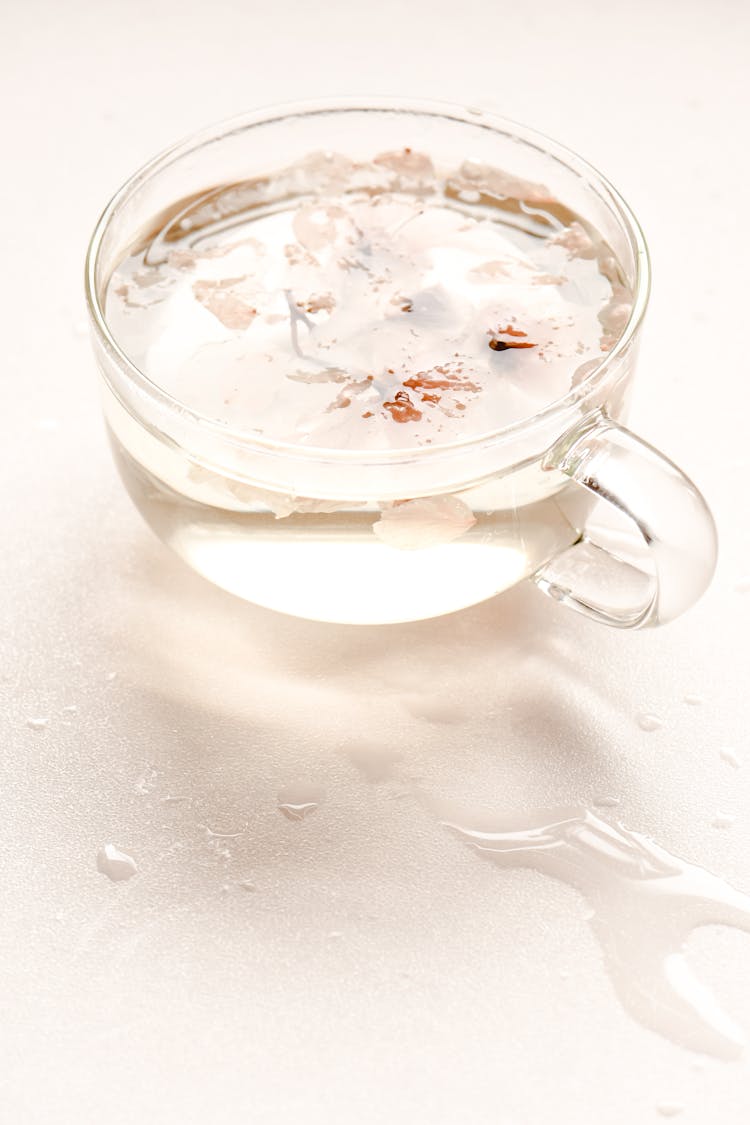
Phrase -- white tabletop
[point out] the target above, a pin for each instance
(366, 964)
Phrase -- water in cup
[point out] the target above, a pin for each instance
(378, 306)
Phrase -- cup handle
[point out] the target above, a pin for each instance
(676, 547)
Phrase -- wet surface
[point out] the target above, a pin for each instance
(366, 963)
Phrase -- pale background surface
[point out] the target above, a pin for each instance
(379, 972)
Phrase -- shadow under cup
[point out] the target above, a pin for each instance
(398, 534)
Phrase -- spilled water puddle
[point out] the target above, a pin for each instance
(644, 904)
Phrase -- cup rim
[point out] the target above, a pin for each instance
(278, 112)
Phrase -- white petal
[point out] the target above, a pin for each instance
(427, 522)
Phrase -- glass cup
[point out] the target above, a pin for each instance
(569, 497)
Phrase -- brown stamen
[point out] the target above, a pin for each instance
(402, 409)
(503, 345)
(421, 382)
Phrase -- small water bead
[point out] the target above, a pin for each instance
(650, 722)
(722, 820)
(297, 811)
(116, 865)
(694, 700)
(146, 782)
(211, 834)
(37, 722)
(605, 802)
(298, 801)
(670, 1109)
(557, 593)
(730, 757)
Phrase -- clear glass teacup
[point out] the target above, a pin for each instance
(439, 506)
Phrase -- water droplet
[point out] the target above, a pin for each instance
(217, 843)
(669, 1109)
(71, 709)
(722, 820)
(37, 723)
(605, 802)
(169, 800)
(110, 676)
(336, 934)
(248, 885)
(649, 721)
(146, 783)
(116, 865)
(299, 800)
(694, 700)
(743, 586)
(297, 811)
(213, 835)
(225, 888)
(730, 757)
(645, 902)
